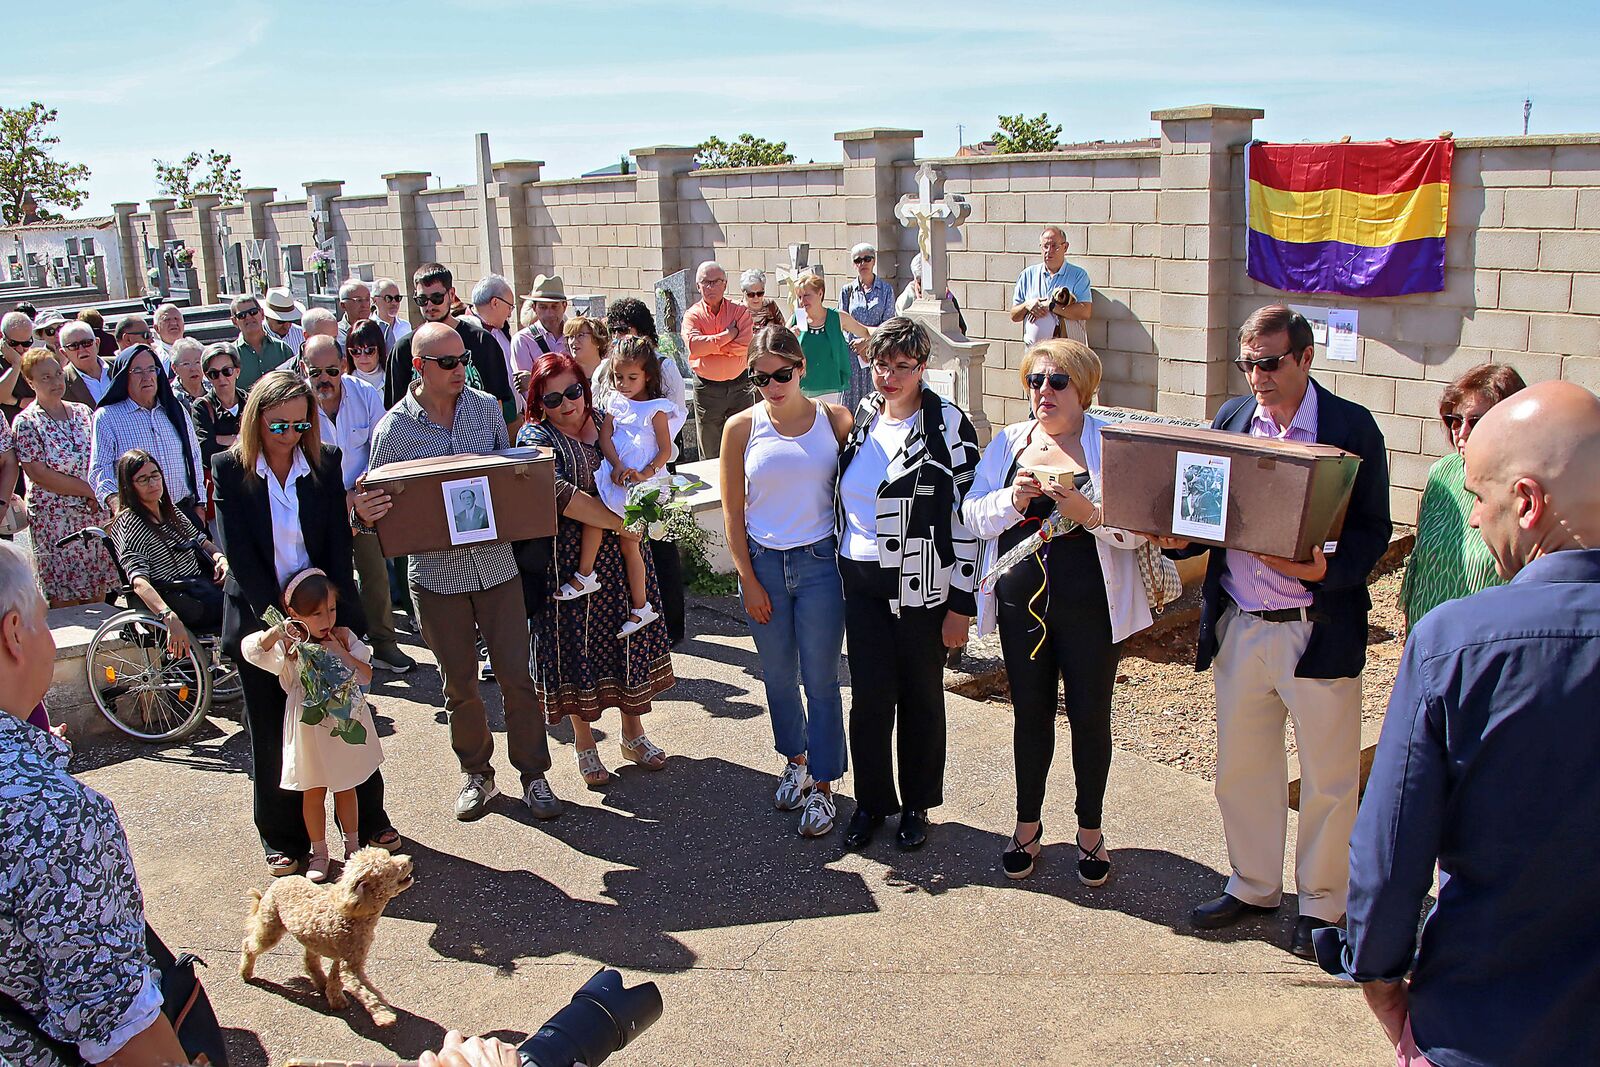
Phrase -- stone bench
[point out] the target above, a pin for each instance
(69, 699)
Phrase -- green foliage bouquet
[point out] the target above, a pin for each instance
(331, 692)
(651, 505)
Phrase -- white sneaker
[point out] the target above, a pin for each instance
(581, 585)
(817, 819)
(640, 618)
(792, 787)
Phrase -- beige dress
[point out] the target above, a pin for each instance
(312, 757)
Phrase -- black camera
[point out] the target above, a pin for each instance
(602, 1018)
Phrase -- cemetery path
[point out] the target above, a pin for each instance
(769, 948)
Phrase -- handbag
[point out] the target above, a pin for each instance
(1160, 576)
(15, 519)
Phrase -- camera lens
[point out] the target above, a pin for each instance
(602, 1018)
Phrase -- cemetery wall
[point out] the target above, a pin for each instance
(595, 233)
(746, 218)
(447, 231)
(369, 233)
(49, 242)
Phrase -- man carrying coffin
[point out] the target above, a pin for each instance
(1288, 638)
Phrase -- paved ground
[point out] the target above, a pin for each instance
(768, 948)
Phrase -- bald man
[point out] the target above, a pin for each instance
(1488, 768)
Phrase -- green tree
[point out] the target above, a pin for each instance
(27, 166)
(748, 151)
(217, 175)
(1018, 134)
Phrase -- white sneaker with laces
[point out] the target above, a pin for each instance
(792, 787)
(817, 819)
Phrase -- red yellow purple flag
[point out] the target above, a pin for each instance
(1362, 219)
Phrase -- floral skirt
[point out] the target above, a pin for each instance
(78, 571)
(581, 667)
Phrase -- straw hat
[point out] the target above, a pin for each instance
(547, 288)
(280, 306)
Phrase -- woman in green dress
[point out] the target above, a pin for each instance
(1450, 560)
(822, 330)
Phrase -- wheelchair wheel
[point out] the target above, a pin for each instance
(138, 687)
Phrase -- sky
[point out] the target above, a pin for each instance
(299, 91)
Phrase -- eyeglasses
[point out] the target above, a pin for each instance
(221, 372)
(153, 478)
(554, 400)
(782, 377)
(887, 369)
(755, 292)
(1456, 422)
(449, 362)
(318, 372)
(424, 299)
(247, 313)
(393, 298)
(88, 342)
(281, 428)
(143, 372)
(1267, 364)
(712, 282)
(133, 335)
(362, 350)
(864, 259)
(1057, 381)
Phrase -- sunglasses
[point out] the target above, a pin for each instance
(281, 428)
(362, 350)
(51, 331)
(424, 299)
(782, 377)
(248, 313)
(393, 298)
(318, 372)
(135, 335)
(755, 292)
(1456, 422)
(20, 346)
(449, 362)
(1268, 364)
(554, 400)
(1057, 381)
(221, 372)
(78, 345)
(864, 259)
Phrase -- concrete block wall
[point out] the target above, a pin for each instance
(747, 217)
(595, 233)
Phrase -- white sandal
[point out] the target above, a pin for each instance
(645, 752)
(581, 585)
(594, 772)
(640, 618)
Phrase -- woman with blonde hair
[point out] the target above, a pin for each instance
(1064, 611)
(822, 330)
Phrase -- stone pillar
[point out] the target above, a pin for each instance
(403, 189)
(511, 195)
(871, 190)
(161, 232)
(208, 257)
(661, 245)
(1195, 334)
(129, 259)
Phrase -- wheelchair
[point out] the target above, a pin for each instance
(138, 686)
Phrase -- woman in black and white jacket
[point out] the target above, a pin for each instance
(909, 568)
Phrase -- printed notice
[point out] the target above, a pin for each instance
(1200, 497)
(1342, 335)
(469, 511)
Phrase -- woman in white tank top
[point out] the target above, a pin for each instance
(779, 464)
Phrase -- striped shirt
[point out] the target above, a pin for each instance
(158, 555)
(407, 433)
(126, 425)
(1253, 585)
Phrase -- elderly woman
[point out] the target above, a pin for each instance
(1450, 559)
(188, 371)
(908, 567)
(365, 354)
(169, 330)
(580, 669)
(1064, 611)
(822, 331)
(764, 311)
(53, 437)
(216, 415)
(870, 301)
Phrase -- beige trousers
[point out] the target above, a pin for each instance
(373, 578)
(1256, 688)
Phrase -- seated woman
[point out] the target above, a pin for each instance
(176, 571)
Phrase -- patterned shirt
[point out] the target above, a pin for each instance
(1253, 585)
(407, 433)
(871, 306)
(72, 933)
(126, 425)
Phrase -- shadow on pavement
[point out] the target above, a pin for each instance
(408, 1038)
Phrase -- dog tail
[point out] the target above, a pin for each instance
(255, 902)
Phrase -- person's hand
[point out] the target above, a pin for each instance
(731, 333)
(1040, 309)
(220, 568)
(372, 504)
(177, 637)
(954, 630)
(113, 505)
(1162, 541)
(60, 730)
(1390, 1003)
(623, 476)
(523, 378)
(757, 604)
(1024, 488)
(1071, 503)
(457, 1051)
(1313, 571)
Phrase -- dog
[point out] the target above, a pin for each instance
(335, 920)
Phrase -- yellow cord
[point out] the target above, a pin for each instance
(1044, 585)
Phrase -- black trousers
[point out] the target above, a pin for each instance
(279, 816)
(669, 576)
(896, 679)
(1077, 652)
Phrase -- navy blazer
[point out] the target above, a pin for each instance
(1338, 645)
(244, 532)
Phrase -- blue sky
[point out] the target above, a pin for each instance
(299, 91)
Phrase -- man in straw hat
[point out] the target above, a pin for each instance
(283, 315)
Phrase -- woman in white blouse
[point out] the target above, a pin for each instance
(1064, 611)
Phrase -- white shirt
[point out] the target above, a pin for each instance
(504, 342)
(360, 408)
(289, 556)
(98, 387)
(295, 338)
(394, 332)
(672, 387)
(858, 489)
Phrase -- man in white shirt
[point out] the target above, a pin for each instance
(386, 301)
(349, 410)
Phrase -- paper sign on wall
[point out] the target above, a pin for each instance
(1200, 496)
(1342, 335)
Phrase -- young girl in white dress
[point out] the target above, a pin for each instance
(636, 441)
(315, 757)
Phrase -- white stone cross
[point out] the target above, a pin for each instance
(922, 210)
(788, 273)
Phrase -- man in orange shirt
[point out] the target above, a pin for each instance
(717, 334)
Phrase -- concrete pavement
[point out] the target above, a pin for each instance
(769, 948)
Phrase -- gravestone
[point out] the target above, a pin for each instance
(675, 295)
(258, 257)
(291, 259)
(233, 280)
(799, 263)
(587, 305)
(302, 284)
(36, 271)
(78, 270)
(366, 272)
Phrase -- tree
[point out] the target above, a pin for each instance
(26, 164)
(1018, 134)
(748, 151)
(220, 176)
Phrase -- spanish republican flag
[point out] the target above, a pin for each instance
(1358, 219)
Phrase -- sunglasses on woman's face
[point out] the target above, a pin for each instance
(362, 350)
(280, 428)
(554, 400)
(449, 362)
(782, 377)
(1057, 381)
(221, 372)
(1456, 422)
(434, 298)
(755, 292)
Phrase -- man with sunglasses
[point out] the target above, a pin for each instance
(87, 376)
(259, 350)
(471, 591)
(1290, 639)
(434, 292)
(386, 302)
(717, 333)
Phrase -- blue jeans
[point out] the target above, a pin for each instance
(802, 642)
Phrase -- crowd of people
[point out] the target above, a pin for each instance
(864, 520)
